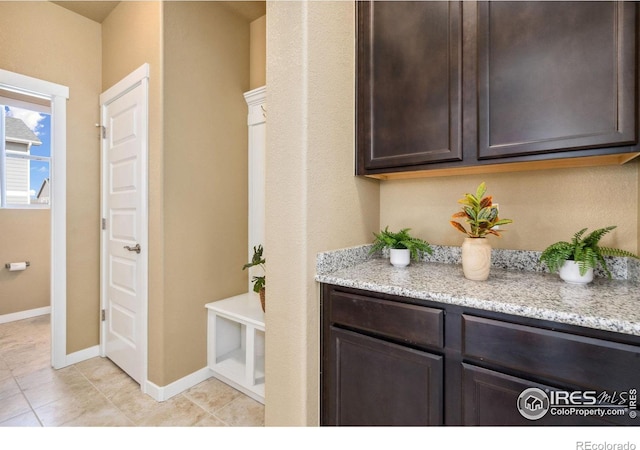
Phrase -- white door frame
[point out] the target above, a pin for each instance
(138, 77)
(58, 95)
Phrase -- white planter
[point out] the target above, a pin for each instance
(399, 257)
(476, 258)
(570, 272)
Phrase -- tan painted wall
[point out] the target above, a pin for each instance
(546, 206)
(25, 236)
(43, 40)
(258, 52)
(206, 72)
(314, 203)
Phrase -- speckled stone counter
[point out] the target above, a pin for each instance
(611, 305)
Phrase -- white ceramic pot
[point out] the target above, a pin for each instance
(476, 258)
(570, 272)
(399, 257)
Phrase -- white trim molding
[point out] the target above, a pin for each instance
(28, 314)
(162, 393)
(58, 96)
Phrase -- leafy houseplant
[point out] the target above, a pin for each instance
(481, 215)
(259, 282)
(402, 246)
(582, 252)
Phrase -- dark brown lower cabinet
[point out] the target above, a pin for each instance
(490, 398)
(374, 382)
(450, 365)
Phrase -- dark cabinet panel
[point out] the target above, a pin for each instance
(491, 398)
(564, 357)
(409, 95)
(373, 382)
(413, 324)
(555, 76)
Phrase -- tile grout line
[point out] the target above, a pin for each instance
(133, 422)
(26, 399)
(211, 413)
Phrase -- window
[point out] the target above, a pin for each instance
(25, 151)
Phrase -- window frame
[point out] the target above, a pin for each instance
(36, 106)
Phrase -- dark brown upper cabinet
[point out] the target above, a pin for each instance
(471, 86)
(409, 83)
(555, 76)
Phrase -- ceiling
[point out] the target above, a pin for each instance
(94, 10)
(99, 10)
(249, 10)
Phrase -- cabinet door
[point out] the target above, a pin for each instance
(491, 398)
(372, 382)
(555, 76)
(408, 83)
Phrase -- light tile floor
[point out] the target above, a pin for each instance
(96, 393)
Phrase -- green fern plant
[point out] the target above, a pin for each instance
(401, 239)
(479, 213)
(583, 250)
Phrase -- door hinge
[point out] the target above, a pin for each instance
(104, 224)
(103, 315)
(103, 130)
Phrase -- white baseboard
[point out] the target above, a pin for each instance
(82, 355)
(5, 318)
(163, 393)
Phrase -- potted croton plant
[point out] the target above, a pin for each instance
(481, 215)
(574, 261)
(402, 246)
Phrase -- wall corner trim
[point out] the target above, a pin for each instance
(162, 393)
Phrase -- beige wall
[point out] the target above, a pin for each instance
(258, 52)
(206, 72)
(314, 202)
(25, 236)
(546, 206)
(43, 40)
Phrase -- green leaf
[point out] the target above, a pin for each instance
(481, 190)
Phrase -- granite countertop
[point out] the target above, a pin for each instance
(611, 305)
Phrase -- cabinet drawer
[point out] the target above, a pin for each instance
(569, 358)
(411, 323)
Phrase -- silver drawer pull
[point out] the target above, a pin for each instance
(133, 249)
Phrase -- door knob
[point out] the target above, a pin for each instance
(133, 249)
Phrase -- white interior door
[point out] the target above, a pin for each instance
(124, 235)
